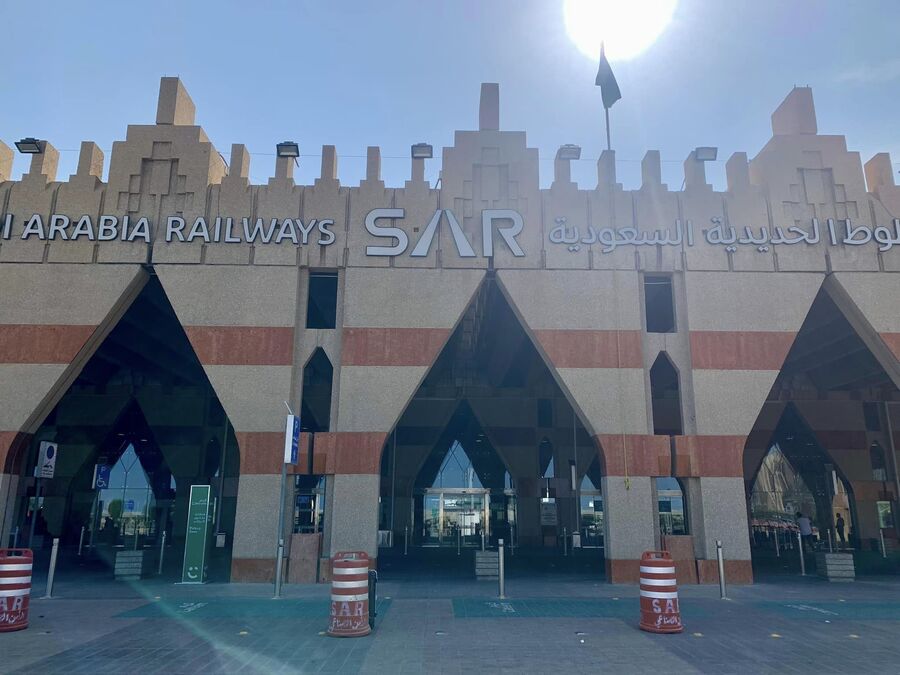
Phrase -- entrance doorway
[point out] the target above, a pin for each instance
(817, 449)
(455, 517)
(138, 427)
(490, 448)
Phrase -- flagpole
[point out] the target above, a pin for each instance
(608, 144)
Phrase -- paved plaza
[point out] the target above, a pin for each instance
(548, 623)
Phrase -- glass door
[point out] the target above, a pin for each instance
(431, 519)
(463, 518)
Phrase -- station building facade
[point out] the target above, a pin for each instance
(482, 359)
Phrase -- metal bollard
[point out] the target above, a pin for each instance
(278, 565)
(830, 546)
(777, 551)
(162, 553)
(406, 540)
(458, 540)
(482, 539)
(373, 597)
(721, 564)
(802, 561)
(502, 575)
(883, 549)
(565, 542)
(52, 572)
(80, 541)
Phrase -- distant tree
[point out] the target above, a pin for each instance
(115, 509)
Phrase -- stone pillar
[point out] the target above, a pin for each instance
(256, 519)
(353, 485)
(628, 525)
(718, 510)
(9, 486)
(354, 513)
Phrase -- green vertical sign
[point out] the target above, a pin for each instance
(196, 540)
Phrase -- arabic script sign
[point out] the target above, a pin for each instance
(838, 232)
(497, 226)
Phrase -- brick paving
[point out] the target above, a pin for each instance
(550, 623)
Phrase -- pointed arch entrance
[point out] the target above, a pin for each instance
(490, 413)
(811, 450)
(137, 427)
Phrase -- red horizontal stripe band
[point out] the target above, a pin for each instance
(35, 343)
(592, 348)
(392, 346)
(740, 350)
(892, 340)
(242, 345)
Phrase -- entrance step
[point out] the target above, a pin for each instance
(487, 565)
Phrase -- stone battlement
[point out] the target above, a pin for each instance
(804, 203)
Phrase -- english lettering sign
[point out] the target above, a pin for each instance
(497, 226)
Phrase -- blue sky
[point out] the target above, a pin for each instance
(393, 73)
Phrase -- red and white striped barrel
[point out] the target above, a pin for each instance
(349, 595)
(659, 594)
(15, 588)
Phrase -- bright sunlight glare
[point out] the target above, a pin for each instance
(626, 27)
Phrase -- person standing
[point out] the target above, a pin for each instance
(805, 526)
(839, 526)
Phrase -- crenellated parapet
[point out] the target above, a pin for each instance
(803, 203)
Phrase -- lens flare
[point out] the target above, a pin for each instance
(626, 27)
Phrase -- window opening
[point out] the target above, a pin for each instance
(665, 397)
(321, 303)
(315, 408)
(670, 499)
(870, 414)
(309, 504)
(876, 458)
(545, 412)
(457, 470)
(659, 304)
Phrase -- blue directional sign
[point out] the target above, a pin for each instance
(292, 439)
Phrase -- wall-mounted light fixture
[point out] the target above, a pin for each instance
(30, 146)
(421, 151)
(569, 151)
(287, 149)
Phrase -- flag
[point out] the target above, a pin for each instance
(609, 88)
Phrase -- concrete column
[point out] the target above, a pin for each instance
(256, 520)
(354, 513)
(9, 486)
(628, 524)
(718, 510)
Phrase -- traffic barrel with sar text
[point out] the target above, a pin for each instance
(15, 588)
(349, 595)
(659, 594)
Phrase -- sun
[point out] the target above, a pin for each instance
(626, 27)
